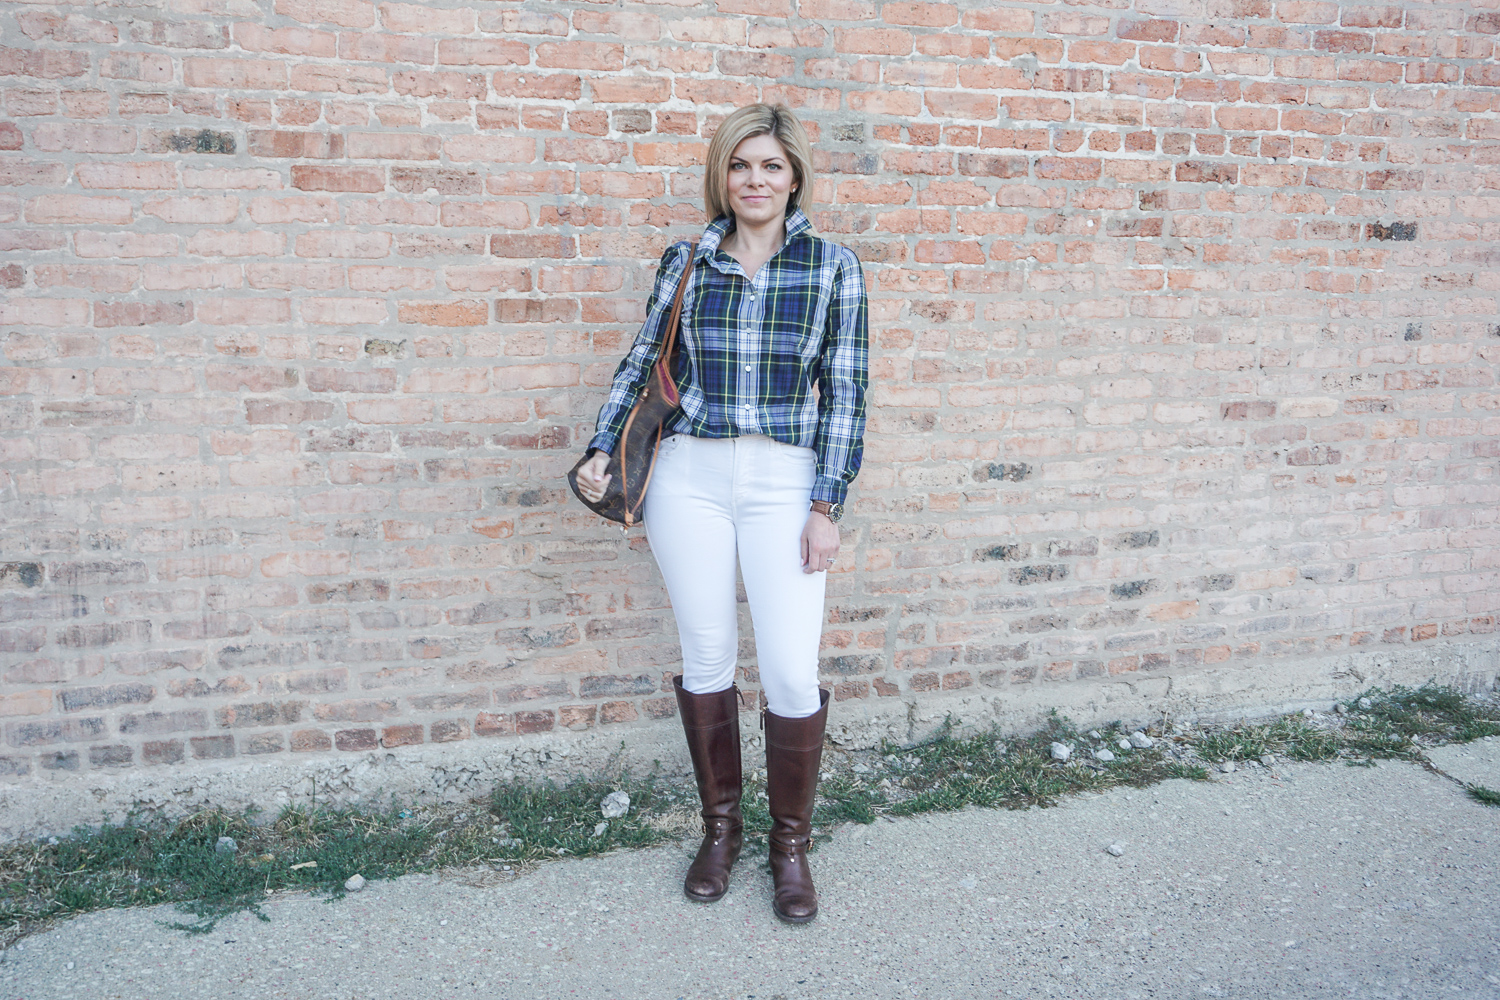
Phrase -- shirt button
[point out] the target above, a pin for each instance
(747, 406)
(747, 368)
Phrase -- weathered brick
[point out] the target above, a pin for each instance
(401, 736)
(108, 696)
(211, 747)
(159, 723)
(355, 739)
(113, 755)
(260, 713)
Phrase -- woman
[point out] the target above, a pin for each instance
(774, 358)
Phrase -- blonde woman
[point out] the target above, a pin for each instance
(754, 472)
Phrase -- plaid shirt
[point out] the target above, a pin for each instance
(752, 350)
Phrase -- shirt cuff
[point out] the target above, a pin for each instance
(605, 442)
(830, 489)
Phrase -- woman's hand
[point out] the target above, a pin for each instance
(592, 478)
(820, 543)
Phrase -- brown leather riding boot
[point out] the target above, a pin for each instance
(794, 751)
(712, 725)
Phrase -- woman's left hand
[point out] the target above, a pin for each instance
(820, 543)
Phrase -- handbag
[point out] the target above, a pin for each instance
(634, 457)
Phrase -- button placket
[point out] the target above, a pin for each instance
(749, 353)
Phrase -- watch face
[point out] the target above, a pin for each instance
(835, 512)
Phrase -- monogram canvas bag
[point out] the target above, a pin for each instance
(635, 456)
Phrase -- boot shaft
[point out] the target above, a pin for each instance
(794, 753)
(711, 724)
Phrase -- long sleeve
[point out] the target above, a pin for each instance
(843, 375)
(635, 367)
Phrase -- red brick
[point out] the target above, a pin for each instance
(355, 739)
(401, 736)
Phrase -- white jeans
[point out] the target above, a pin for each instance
(713, 502)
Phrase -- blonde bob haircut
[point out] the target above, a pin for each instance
(775, 120)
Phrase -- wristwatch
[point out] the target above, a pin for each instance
(833, 511)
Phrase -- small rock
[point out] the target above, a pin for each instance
(600, 827)
(1308, 713)
(615, 805)
(1095, 735)
(1139, 740)
(1366, 703)
(1115, 849)
(1267, 759)
(225, 845)
(1227, 767)
(1123, 744)
(1060, 751)
(1104, 755)
(861, 769)
(1339, 708)
(354, 883)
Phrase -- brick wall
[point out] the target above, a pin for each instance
(1184, 336)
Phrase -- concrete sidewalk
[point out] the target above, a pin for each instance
(1310, 880)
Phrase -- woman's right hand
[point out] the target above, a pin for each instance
(592, 479)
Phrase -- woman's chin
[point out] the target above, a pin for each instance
(757, 211)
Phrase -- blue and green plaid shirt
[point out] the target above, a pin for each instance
(753, 350)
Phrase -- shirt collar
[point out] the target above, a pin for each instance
(797, 224)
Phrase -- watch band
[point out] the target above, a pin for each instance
(833, 511)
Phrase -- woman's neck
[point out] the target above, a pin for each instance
(758, 241)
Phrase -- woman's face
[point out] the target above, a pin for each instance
(760, 180)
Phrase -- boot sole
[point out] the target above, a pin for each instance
(794, 920)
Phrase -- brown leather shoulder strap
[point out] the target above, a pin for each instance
(674, 321)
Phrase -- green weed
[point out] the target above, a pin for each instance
(1488, 796)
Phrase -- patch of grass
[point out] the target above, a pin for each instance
(534, 822)
(147, 861)
(948, 772)
(1292, 737)
(1488, 796)
(1377, 724)
(1429, 714)
(144, 861)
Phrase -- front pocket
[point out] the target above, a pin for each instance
(668, 445)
